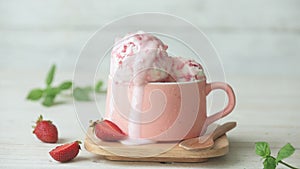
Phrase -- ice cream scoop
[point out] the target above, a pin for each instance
(186, 70)
(139, 58)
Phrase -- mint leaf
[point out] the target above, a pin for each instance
(98, 86)
(50, 75)
(35, 94)
(48, 100)
(262, 149)
(285, 152)
(82, 94)
(269, 163)
(50, 94)
(65, 85)
(52, 91)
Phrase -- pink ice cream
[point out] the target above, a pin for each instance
(184, 70)
(141, 58)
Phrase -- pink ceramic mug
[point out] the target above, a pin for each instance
(170, 111)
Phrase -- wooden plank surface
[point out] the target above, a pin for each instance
(158, 152)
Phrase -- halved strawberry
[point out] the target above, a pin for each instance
(65, 152)
(109, 131)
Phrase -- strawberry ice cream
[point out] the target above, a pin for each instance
(141, 58)
(136, 60)
(184, 70)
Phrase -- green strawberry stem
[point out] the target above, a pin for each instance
(40, 118)
(287, 165)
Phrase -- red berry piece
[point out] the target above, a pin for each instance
(45, 130)
(109, 131)
(65, 152)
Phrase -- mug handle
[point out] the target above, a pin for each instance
(231, 100)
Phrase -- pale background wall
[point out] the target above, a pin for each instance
(257, 37)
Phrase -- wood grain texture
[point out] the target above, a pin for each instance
(174, 153)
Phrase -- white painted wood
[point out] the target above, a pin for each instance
(258, 42)
(262, 113)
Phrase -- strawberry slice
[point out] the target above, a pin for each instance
(65, 152)
(109, 131)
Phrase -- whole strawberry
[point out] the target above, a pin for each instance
(65, 152)
(45, 130)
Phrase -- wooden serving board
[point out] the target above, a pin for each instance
(172, 153)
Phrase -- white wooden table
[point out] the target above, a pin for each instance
(266, 112)
(258, 42)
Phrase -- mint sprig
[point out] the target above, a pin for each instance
(35, 94)
(84, 93)
(263, 149)
(50, 92)
(50, 75)
(99, 87)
